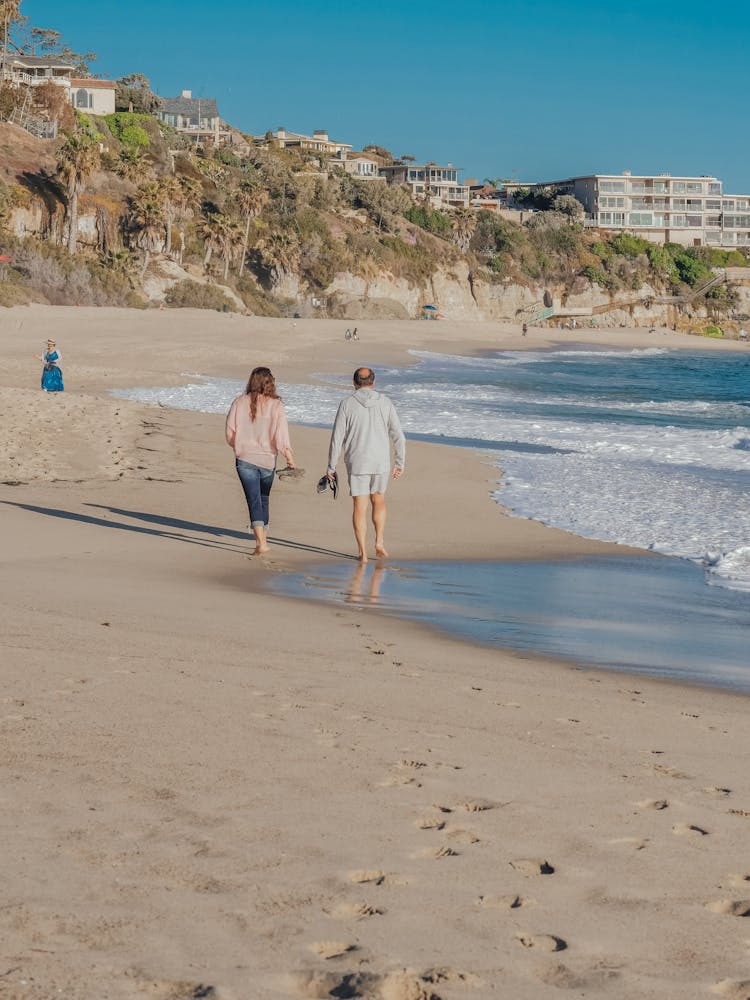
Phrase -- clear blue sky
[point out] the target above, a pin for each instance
(537, 90)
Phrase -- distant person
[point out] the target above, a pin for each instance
(742, 334)
(524, 330)
(366, 425)
(52, 380)
(257, 430)
(348, 334)
(355, 335)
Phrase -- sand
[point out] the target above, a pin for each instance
(210, 791)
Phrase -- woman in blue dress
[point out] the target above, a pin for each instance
(52, 380)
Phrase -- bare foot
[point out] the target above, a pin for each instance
(380, 552)
(257, 551)
(362, 557)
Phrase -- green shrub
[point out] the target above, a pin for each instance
(192, 295)
(431, 219)
(630, 246)
(128, 128)
(712, 331)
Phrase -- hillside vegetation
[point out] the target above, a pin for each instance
(88, 219)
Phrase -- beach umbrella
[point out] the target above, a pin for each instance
(432, 308)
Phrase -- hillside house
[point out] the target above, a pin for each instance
(197, 118)
(34, 70)
(363, 166)
(318, 142)
(428, 181)
(94, 97)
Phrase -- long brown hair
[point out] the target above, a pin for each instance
(260, 383)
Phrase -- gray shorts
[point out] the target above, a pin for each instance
(363, 486)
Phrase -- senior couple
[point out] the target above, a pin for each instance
(365, 427)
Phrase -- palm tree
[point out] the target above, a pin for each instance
(170, 193)
(77, 158)
(221, 235)
(148, 220)
(464, 224)
(133, 166)
(279, 252)
(250, 198)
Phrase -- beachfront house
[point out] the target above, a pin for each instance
(692, 211)
(363, 166)
(318, 142)
(428, 181)
(196, 118)
(32, 71)
(95, 97)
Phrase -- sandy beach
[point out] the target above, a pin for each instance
(212, 791)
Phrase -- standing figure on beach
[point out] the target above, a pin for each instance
(366, 425)
(257, 430)
(52, 380)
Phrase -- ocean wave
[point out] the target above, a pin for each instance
(729, 569)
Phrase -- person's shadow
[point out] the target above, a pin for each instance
(177, 529)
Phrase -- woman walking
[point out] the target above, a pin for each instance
(257, 430)
(52, 380)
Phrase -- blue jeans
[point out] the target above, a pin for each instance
(257, 483)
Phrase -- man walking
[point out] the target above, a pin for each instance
(366, 424)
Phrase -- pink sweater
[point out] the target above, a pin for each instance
(258, 441)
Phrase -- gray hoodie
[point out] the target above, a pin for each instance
(365, 423)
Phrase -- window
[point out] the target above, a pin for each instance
(713, 237)
(713, 204)
(742, 204)
(695, 221)
(612, 186)
(728, 205)
(714, 188)
(678, 187)
(83, 99)
(694, 187)
(713, 220)
(641, 219)
(610, 202)
(679, 203)
(678, 221)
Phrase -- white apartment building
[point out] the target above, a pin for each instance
(692, 211)
(440, 184)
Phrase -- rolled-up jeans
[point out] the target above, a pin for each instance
(257, 483)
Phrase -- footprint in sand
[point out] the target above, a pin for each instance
(460, 836)
(437, 853)
(429, 822)
(657, 804)
(732, 907)
(716, 792)
(532, 866)
(542, 942)
(740, 881)
(510, 902)
(689, 830)
(402, 985)
(356, 911)
(332, 949)
(375, 876)
(733, 989)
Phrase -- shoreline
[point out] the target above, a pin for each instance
(210, 788)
